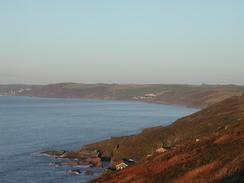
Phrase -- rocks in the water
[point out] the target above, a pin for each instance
(78, 171)
(81, 154)
(77, 162)
(74, 171)
(57, 153)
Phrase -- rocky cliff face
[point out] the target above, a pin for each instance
(207, 146)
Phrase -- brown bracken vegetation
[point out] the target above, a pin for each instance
(207, 146)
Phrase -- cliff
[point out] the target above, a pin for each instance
(207, 146)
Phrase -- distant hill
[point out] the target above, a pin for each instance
(199, 96)
(207, 146)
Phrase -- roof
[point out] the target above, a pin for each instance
(122, 163)
(161, 149)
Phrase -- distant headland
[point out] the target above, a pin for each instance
(199, 96)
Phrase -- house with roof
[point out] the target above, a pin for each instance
(121, 165)
(161, 150)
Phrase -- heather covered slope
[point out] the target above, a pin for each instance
(199, 96)
(217, 157)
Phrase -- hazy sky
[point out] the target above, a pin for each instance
(122, 41)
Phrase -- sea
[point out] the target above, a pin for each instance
(30, 125)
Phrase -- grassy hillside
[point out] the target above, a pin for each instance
(218, 155)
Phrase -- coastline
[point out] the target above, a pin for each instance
(196, 96)
(139, 146)
(189, 145)
(187, 133)
(89, 157)
(119, 100)
(106, 146)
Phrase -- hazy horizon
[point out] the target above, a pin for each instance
(86, 83)
(142, 42)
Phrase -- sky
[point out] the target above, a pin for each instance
(128, 41)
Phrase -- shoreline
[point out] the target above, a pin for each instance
(73, 156)
(193, 96)
(106, 99)
(190, 144)
(164, 134)
(77, 154)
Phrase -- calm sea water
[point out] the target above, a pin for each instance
(29, 125)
